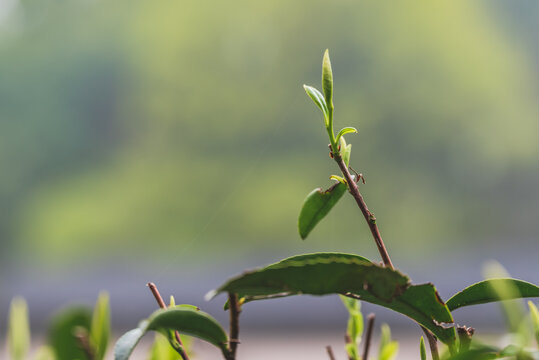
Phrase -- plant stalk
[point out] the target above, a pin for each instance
(433, 343)
(369, 216)
(235, 309)
(330, 353)
(368, 338)
(162, 305)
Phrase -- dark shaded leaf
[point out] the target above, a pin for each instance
(62, 332)
(484, 292)
(317, 205)
(336, 273)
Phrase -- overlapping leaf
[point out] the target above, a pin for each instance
(485, 292)
(184, 319)
(337, 273)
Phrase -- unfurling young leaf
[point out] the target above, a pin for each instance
(354, 329)
(161, 349)
(327, 80)
(100, 327)
(422, 349)
(317, 205)
(19, 329)
(319, 100)
(388, 348)
(346, 150)
(344, 131)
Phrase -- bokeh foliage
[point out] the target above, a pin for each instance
(184, 125)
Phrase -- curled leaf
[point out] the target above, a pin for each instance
(319, 100)
(346, 130)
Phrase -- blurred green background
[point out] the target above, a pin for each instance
(179, 130)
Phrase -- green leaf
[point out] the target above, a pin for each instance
(422, 349)
(327, 80)
(61, 334)
(344, 131)
(100, 327)
(534, 314)
(317, 205)
(184, 319)
(19, 329)
(388, 348)
(44, 353)
(354, 328)
(336, 273)
(161, 349)
(346, 150)
(318, 99)
(484, 292)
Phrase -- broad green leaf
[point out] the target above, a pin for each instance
(344, 131)
(327, 80)
(61, 334)
(346, 150)
(319, 100)
(19, 329)
(100, 327)
(534, 314)
(336, 273)
(44, 353)
(184, 319)
(422, 349)
(484, 292)
(317, 205)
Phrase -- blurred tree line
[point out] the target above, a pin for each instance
(178, 126)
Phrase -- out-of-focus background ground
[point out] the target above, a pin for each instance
(171, 141)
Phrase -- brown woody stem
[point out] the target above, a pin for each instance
(368, 338)
(235, 309)
(330, 352)
(369, 216)
(433, 343)
(162, 305)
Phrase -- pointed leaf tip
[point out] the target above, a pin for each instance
(327, 79)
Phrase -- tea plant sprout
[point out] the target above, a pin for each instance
(351, 276)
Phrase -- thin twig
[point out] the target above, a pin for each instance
(162, 305)
(433, 343)
(368, 338)
(369, 216)
(330, 352)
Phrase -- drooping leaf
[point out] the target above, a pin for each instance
(484, 292)
(327, 80)
(534, 314)
(62, 332)
(184, 319)
(336, 273)
(422, 349)
(317, 205)
(344, 131)
(319, 100)
(100, 327)
(18, 329)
